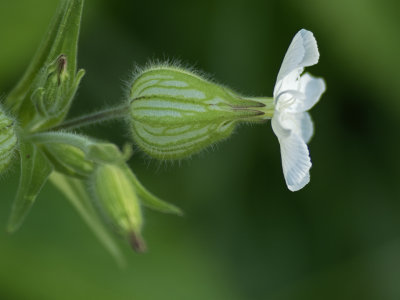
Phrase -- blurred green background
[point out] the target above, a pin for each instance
(244, 235)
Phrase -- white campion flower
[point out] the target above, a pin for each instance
(294, 95)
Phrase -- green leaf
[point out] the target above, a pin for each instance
(61, 40)
(74, 190)
(20, 91)
(151, 201)
(35, 170)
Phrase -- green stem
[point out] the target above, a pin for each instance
(93, 118)
(61, 138)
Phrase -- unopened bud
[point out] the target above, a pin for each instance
(116, 197)
(55, 87)
(69, 160)
(8, 140)
(175, 113)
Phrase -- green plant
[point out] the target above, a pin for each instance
(172, 113)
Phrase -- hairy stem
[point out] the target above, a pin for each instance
(72, 139)
(93, 118)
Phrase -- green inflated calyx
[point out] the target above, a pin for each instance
(118, 201)
(8, 140)
(176, 113)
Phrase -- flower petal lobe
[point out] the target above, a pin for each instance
(296, 162)
(302, 52)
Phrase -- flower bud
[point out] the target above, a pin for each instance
(54, 88)
(116, 197)
(69, 160)
(8, 140)
(175, 113)
(51, 86)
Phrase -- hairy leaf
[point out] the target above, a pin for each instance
(35, 170)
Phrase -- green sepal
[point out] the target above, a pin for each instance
(35, 170)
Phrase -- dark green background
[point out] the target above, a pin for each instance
(244, 235)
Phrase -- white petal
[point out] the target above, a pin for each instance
(281, 128)
(295, 156)
(284, 124)
(302, 52)
(306, 127)
(308, 93)
(296, 162)
(312, 88)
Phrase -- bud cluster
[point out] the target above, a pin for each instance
(115, 191)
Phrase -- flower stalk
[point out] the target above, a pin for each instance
(119, 112)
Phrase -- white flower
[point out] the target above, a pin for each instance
(294, 95)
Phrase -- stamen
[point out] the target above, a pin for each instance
(294, 95)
